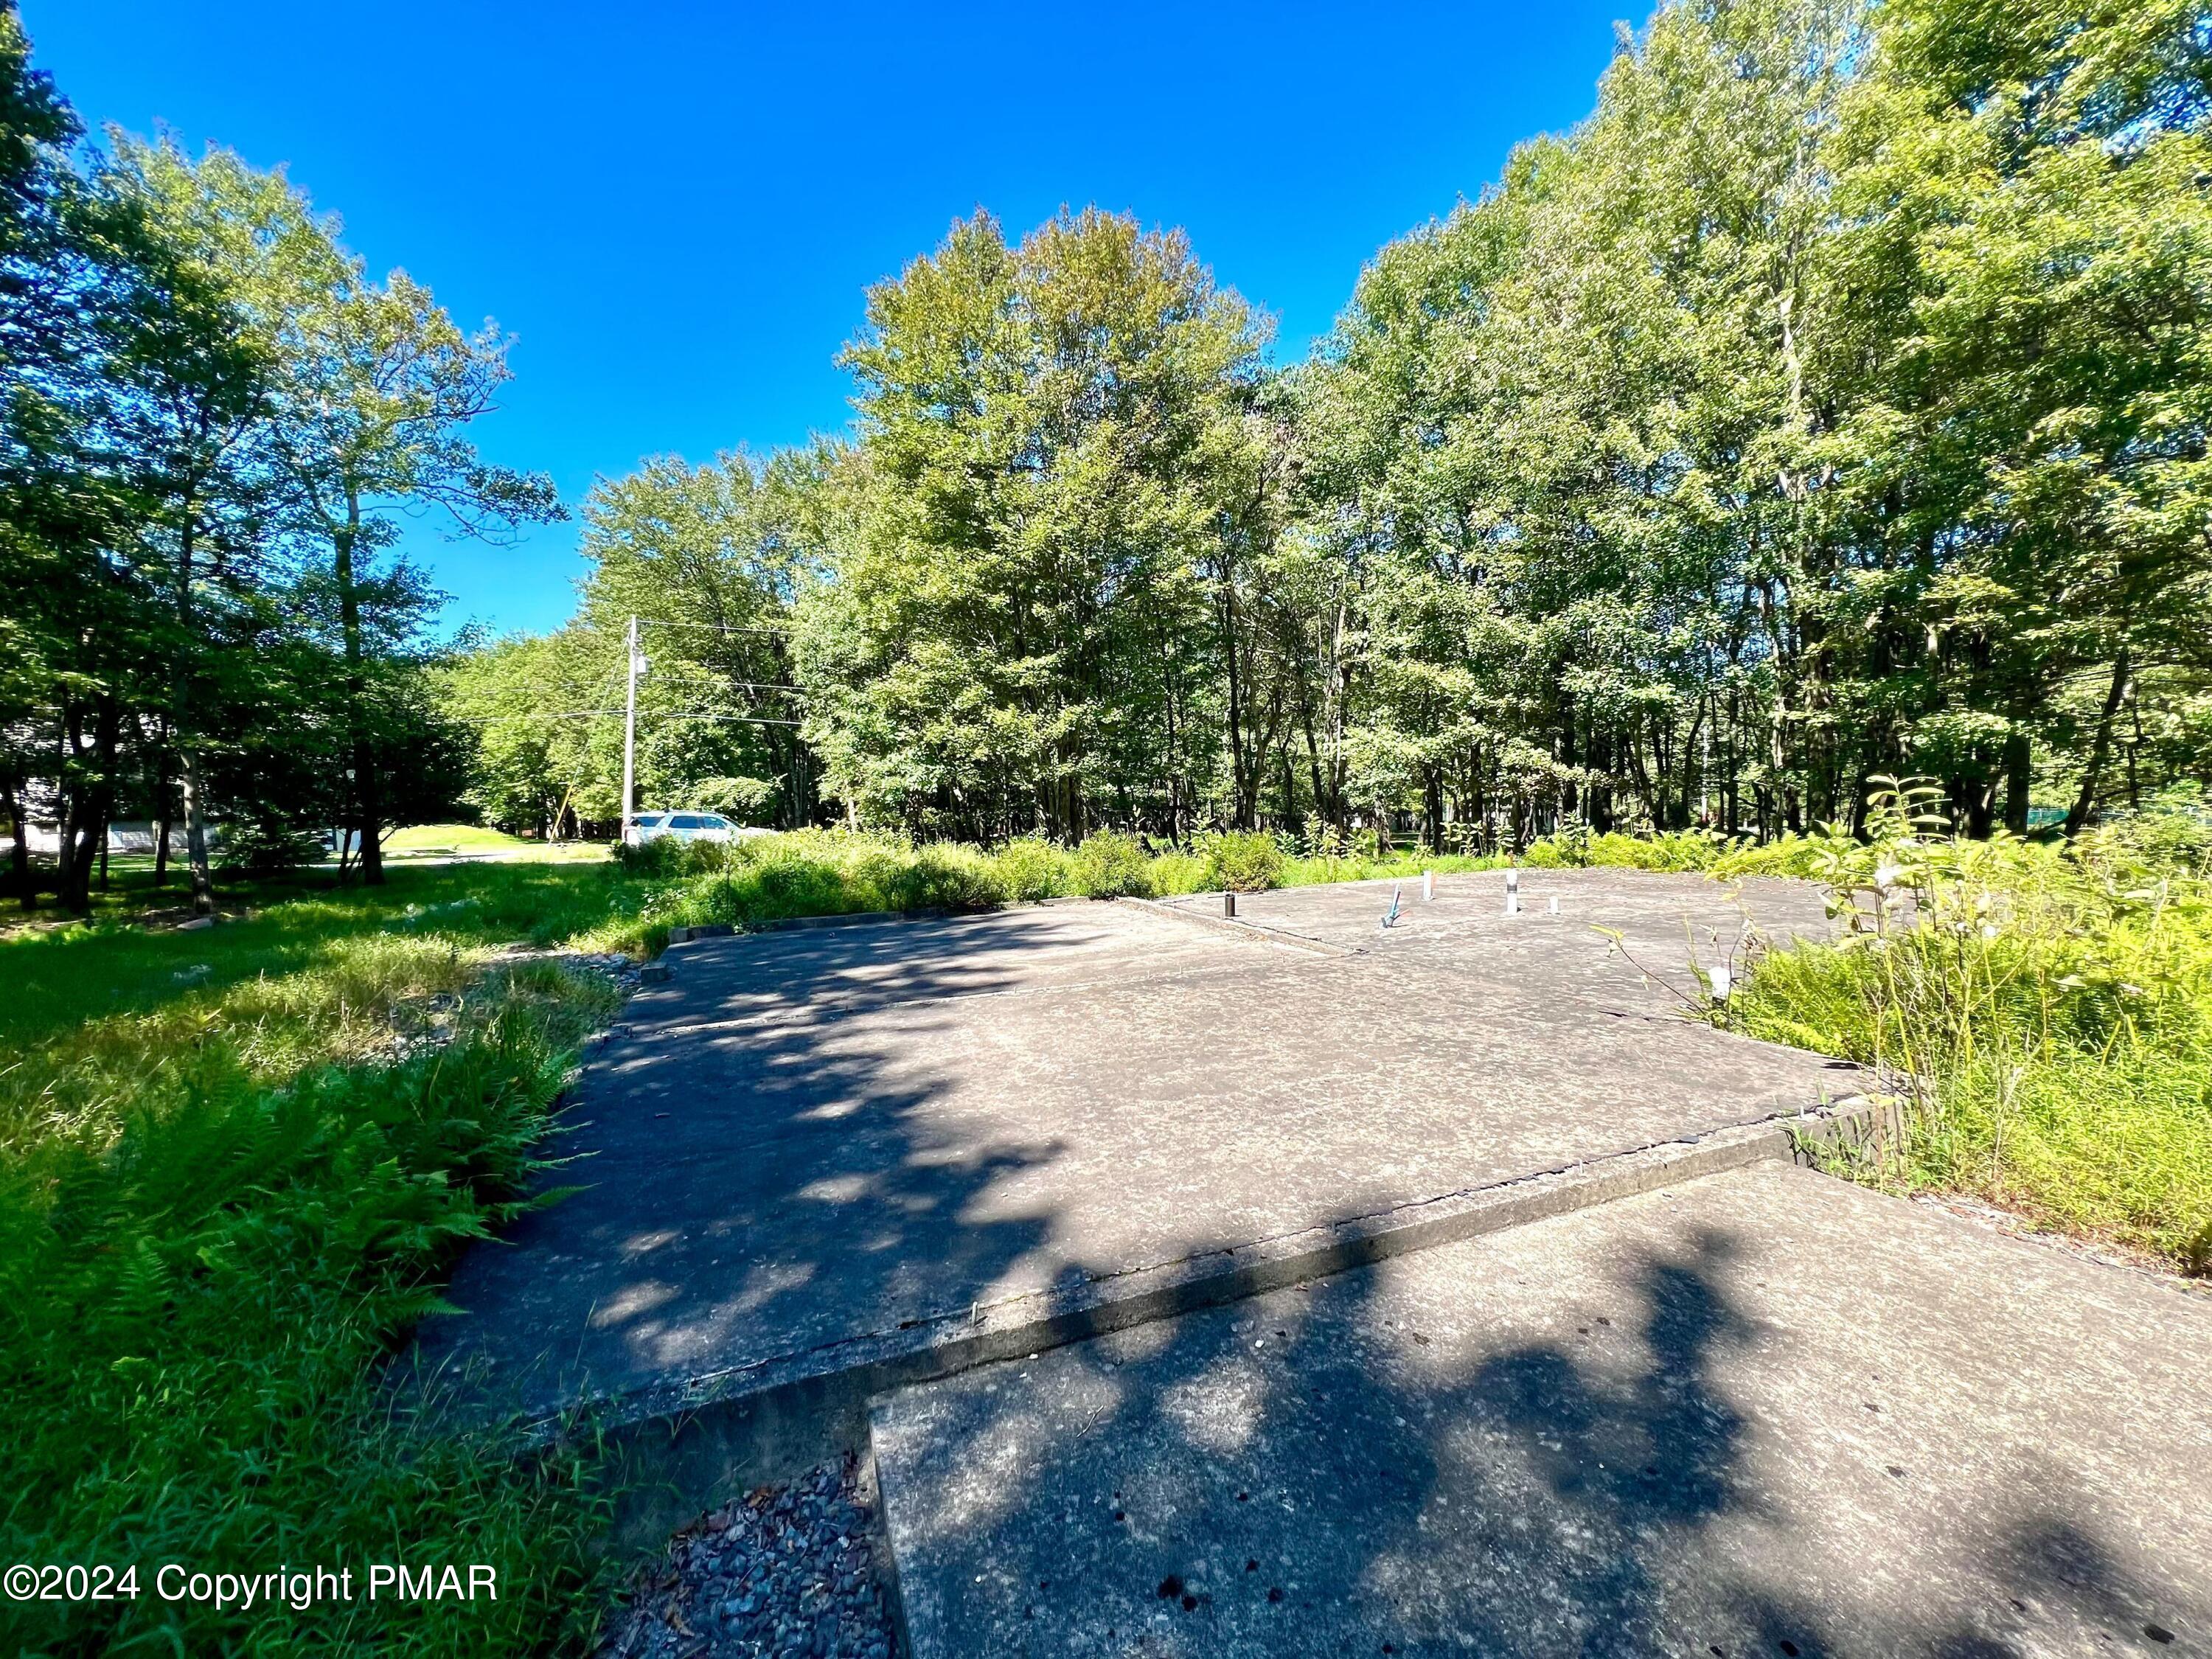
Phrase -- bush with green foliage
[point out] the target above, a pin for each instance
(1033, 868)
(2044, 1010)
(1249, 861)
(1111, 865)
(269, 844)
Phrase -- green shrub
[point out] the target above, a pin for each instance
(1787, 856)
(269, 846)
(1243, 862)
(1032, 868)
(943, 877)
(2045, 1012)
(1173, 872)
(1111, 865)
(665, 856)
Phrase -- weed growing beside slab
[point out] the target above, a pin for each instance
(2044, 1010)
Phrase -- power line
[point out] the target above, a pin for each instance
(707, 627)
(602, 713)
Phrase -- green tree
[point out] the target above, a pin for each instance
(2028, 241)
(183, 420)
(1016, 636)
(710, 560)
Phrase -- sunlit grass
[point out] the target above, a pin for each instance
(455, 838)
(2045, 1011)
(235, 1163)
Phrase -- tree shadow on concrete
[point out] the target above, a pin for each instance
(1336, 1469)
(1313, 1472)
(771, 1184)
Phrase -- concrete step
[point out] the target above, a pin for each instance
(1761, 1413)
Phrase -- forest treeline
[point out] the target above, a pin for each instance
(1830, 404)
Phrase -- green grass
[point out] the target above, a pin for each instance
(2044, 1010)
(235, 1164)
(424, 838)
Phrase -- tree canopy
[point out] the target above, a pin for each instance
(214, 415)
(1830, 404)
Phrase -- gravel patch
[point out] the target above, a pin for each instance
(625, 971)
(786, 1570)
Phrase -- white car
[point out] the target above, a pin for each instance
(683, 826)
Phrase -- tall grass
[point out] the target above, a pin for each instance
(2044, 1011)
(223, 1196)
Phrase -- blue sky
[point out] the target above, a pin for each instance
(676, 207)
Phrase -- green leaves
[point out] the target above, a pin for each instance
(1051, 434)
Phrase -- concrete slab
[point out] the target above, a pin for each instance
(1665, 922)
(1763, 1413)
(807, 1153)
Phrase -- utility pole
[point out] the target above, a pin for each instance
(636, 667)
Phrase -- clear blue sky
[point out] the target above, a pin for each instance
(676, 207)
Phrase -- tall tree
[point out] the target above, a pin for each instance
(2029, 239)
(709, 559)
(187, 419)
(1016, 637)
(376, 389)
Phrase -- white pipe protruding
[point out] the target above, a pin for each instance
(1428, 886)
(1555, 904)
(1513, 892)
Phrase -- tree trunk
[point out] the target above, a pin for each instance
(161, 831)
(2019, 775)
(84, 835)
(20, 858)
(196, 846)
(2078, 818)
